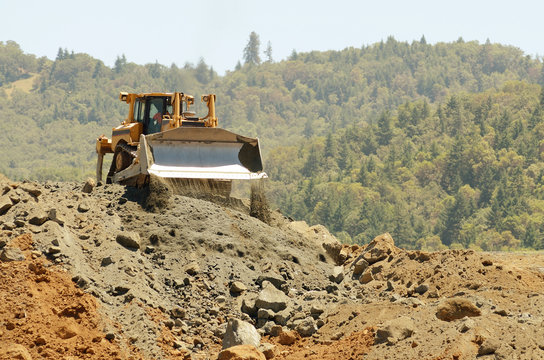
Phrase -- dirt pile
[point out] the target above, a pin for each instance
(160, 279)
(44, 315)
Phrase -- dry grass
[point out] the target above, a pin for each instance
(24, 85)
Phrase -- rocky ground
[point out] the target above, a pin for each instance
(114, 273)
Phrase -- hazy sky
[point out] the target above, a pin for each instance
(184, 31)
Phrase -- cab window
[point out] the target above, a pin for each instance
(155, 111)
(139, 110)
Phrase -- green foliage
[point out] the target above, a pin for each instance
(251, 51)
(437, 144)
(433, 180)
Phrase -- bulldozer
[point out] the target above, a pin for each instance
(163, 137)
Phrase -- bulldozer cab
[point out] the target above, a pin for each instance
(152, 111)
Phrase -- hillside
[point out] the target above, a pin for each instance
(437, 144)
(466, 172)
(98, 275)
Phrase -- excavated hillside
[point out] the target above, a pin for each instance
(110, 272)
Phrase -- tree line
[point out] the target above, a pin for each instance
(367, 139)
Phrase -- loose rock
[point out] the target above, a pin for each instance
(287, 337)
(456, 308)
(307, 327)
(421, 289)
(395, 330)
(380, 248)
(366, 277)
(269, 350)
(129, 239)
(489, 346)
(5, 204)
(89, 186)
(359, 265)
(276, 280)
(192, 269)
(337, 274)
(271, 298)
(240, 333)
(38, 217)
(11, 254)
(241, 352)
(237, 287)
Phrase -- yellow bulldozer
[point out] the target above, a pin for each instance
(162, 137)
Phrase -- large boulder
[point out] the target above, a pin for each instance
(240, 333)
(379, 249)
(241, 352)
(456, 308)
(271, 298)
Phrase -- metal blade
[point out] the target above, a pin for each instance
(204, 153)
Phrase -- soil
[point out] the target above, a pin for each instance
(84, 291)
(43, 310)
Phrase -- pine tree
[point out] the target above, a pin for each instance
(294, 56)
(385, 128)
(120, 63)
(60, 55)
(251, 51)
(362, 177)
(330, 146)
(202, 73)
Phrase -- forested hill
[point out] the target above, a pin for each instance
(392, 110)
(468, 172)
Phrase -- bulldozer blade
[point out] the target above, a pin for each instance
(202, 153)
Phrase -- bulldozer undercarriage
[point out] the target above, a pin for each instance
(123, 156)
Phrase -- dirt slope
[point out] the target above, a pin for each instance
(158, 277)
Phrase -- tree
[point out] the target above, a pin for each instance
(268, 52)
(385, 128)
(294, 56)
(251, 51)
(120, 63)
(202, 72)
(60, 54)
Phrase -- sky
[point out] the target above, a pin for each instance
(180, 31)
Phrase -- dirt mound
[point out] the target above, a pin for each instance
(187, 265)
(45, 314)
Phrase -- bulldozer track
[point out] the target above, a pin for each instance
(123, 156)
